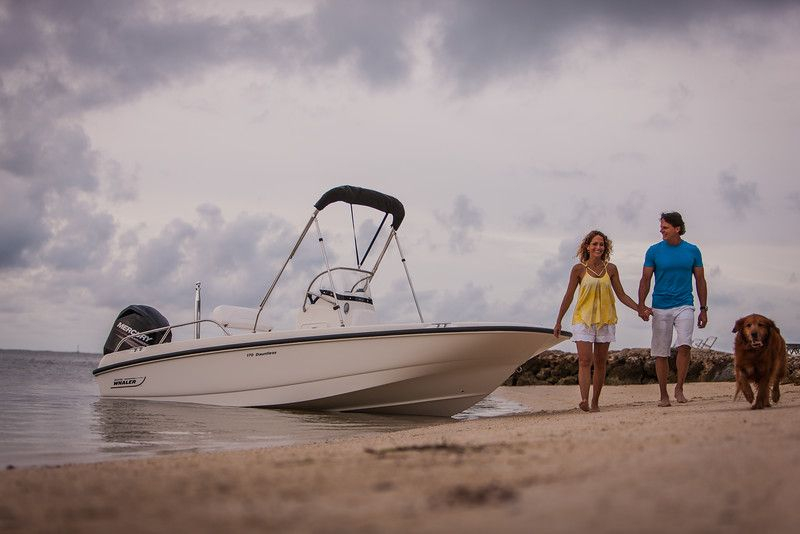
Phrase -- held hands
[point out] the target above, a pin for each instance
(645, 312)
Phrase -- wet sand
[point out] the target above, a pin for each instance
(711, 465)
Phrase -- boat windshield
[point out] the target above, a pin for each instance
(347, 282)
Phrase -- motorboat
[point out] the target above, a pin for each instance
(338, 357)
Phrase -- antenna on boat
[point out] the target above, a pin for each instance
(197, 310)
(408, 275)
(336, 306)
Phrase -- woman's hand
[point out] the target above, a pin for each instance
(557, 329)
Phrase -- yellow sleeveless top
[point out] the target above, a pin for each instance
(595, 302)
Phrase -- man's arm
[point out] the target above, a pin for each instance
(702, 296)
(644, 289)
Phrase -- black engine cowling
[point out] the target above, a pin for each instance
(132, 320)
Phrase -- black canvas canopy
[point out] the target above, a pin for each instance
(364, 197)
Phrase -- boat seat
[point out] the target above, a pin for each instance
(238, 317)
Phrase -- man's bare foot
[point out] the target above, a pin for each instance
(584, 405)
(595, 408)
(679, 396)
(663, 403)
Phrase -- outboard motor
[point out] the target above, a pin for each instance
(132, 320)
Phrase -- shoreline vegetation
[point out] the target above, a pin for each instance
(706, 466)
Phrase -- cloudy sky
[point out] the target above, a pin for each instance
(148, 145)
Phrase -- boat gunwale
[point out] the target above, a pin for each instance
(430, 330)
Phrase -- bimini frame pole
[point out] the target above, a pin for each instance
(380, 258)
(410, 284)
(336, 306)
(291, 255)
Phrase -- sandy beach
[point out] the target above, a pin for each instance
(711, 465)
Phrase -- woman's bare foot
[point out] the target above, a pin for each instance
(663, 403)
(584, 405)
(595, 408)
(679, 396)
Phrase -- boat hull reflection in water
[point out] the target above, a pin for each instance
(141, 428)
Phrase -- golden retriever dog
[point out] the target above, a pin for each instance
(759, 357)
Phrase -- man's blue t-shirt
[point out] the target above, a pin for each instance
(673, 267)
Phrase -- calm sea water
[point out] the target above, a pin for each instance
(52, 414)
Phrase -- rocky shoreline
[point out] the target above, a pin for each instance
(633, 366)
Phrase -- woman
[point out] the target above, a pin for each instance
(595, 317)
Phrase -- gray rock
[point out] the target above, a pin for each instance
(634, 366)
(626, 366)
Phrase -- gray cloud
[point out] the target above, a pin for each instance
(560, 174)
(20, 233)
(738, 196)
(84, 238)
(793, 201)
(235, 260)
(555, 270)
(372, 37)
(533, 219)
(396, 304)
(470, 303)
(483, 41)
(539, 304)
(60, 59)
(629, 211)
(629, 157)
(585, 216)
(674, 112)
(462, 222)
(724, 298)
(159, 260)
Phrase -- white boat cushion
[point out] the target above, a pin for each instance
(238, 317)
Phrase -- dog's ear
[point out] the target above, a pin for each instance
(775, 338)
(773, 327)
(738, 325)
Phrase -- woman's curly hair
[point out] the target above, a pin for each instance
(583, 254)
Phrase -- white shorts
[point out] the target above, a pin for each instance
(681, 319)
(594, 334)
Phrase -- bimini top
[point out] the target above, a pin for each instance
(364, 197)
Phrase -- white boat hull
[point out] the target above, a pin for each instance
(437, 370)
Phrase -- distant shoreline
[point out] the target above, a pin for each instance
(52, 351)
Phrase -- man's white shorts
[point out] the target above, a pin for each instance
(664, 321)
(594, 334)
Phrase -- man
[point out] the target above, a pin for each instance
(674, 262)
